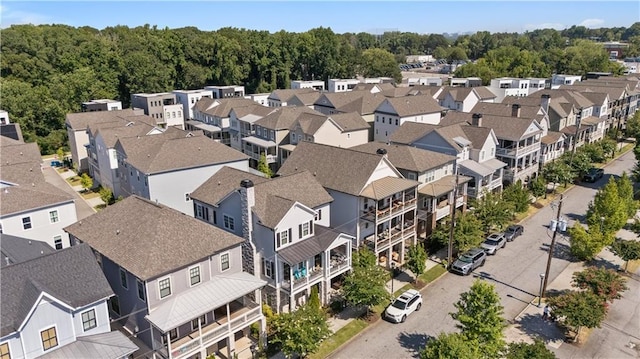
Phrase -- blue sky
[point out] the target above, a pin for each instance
(341, 16)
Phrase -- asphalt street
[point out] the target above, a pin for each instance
(515, 272)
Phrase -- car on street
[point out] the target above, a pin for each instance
(494, 242)
(407, 303)
(513, 231)
(593, 174)
(468, 261)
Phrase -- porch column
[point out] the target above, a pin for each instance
(262, 338)
(231, 345)
(169, 345)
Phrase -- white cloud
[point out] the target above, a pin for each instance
(10, 17)
(546, 25)
(591, 23)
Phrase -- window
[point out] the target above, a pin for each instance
(26, 223)
(304, 229)
(202, 320)
(165, 287)
(319, 215)
(229, 223)
(411, 175)
(396, 122)
(141, 293)
(57, 242)
(482, 155)
(268, 268)
(283, 238)
(49, 338)
(199, 211)
(123, 279)
(53, 216)
(173, 334)
(89, 320)
(431, 176)
(224, 261)
(194, 275)
(4, 351)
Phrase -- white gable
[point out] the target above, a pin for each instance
(533, 127)
(384, 169)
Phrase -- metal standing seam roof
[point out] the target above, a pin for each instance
(321, 241)
(552, 137)
(493, 163)
(194, 302)
(110, 345)
(442, 186)
(259, 142)
(203, 126)
(387, 186)
(476, 167)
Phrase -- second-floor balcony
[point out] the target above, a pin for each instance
(518, 149)
(255, 147)
(388, 197)
(386, 237)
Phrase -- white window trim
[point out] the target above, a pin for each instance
(229, 261)
(170, 289)
(55, 238)
(202, 323)
(224, 222)
(57, 216)
(124, 285)
(95, 319)
(55, 326)
(199, 275)
(30, 223)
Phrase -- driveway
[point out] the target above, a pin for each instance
(514, 270)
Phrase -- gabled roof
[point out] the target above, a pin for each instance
(569, 95)
(476, 135)
(506, 110)
(413, 105)
(458, 94)
(221, 107)
(507, 127)
(304, 99)
(297, 252)
(273, 197)
(340, 169)
(309, 123)
(615, 93)
(597, 98)
(79, 121)
(165, 238)
(283, 95)
(110, 135)
(175, 150)
(257, 111)
(410, 132)
(364, 105)
(13, 152)
(407, 157)
(349, 121)
(31, 197)
(282, 118)
(552, 137)
(70, 275)
(396, 91)
(453, 134)
(483, 93)
(17, 249)
(22, 173)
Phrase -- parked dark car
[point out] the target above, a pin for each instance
(513, 231)
(593, 174)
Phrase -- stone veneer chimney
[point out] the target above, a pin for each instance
(476, 119)
(515, 110)
(247, 200)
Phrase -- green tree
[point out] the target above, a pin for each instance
(627, 250)
(86, 182)
(632, 126)
(522, 350)
(585, 245)
(264, 167)
(314, 299)
(605, 283)
(479, 314)
(557, 172)
(594, 151)
(518, 196)
(60, 154)
(493, 211)
(450, 345)
(579, 309)
(607, 210)
(467, 233)
(379, 63)
(625, 193)
(579, 163)
(416, 259)
(106, 195)
(608, 145)
(300, 332)
(538, 186)
(365, 284)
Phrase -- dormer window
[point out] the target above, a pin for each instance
(305, 229)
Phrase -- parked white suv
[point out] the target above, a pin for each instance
(409, 302)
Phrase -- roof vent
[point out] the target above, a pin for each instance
(117, 231)
(381, 151)
(218, 183)
(246, 183)
(314, 173)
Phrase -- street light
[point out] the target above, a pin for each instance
(541, 284)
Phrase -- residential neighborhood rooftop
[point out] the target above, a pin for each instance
(408, 157)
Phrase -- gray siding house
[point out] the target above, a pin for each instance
(178, 282)
(55, 306)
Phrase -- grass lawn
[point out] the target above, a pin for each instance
(74, 181)
(89, 194)
(432, 274)
(339, 338)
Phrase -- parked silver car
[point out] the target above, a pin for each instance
(494, 242)
(469, 261)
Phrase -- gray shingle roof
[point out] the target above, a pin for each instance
(221, 107)
(157, 243)
(22, 173)
(350, 121)
(507, 127)
(456, 93)
(283, 118)
(12, 152)
(257, 110)
(503, 109)
(408, 157)
(364, 105)
(477, 135)
(79, 121)
(223, 182)
(169, 152)
(110, 135)
(17, 249)
(336, 168)
(410, 132)
(304, 99)
(309, 123)
(71, 275)
(413, 105)
(23, 198)
(552, 137)
(284, 95)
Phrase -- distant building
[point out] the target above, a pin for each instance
(188, 99)
(161, 106)
(615, 49)
(101, 105)
(316, 85)
(226, 91)
(4, 117)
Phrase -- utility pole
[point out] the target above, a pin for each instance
(453, 221)
(553, 242)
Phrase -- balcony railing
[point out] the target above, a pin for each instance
(256, 156)
(397, 207)
(514, 175)
(391, 236)
(519, 151)
(216, 331)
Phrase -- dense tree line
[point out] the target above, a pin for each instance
(49, 70)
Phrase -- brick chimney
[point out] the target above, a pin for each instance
(515, 110)
(247, 201)
(476, 119)
(545, 102)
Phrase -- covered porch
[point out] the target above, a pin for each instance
(436, 200)
(388, 197)
(208, 317)
(485, 176)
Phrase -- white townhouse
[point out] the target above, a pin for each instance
(242, 122)
(393, 112)
(212, 116)
(281, 97)
(340, 130)
(464, 98)
(188, 99)
(509, 86)
(317, 85)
